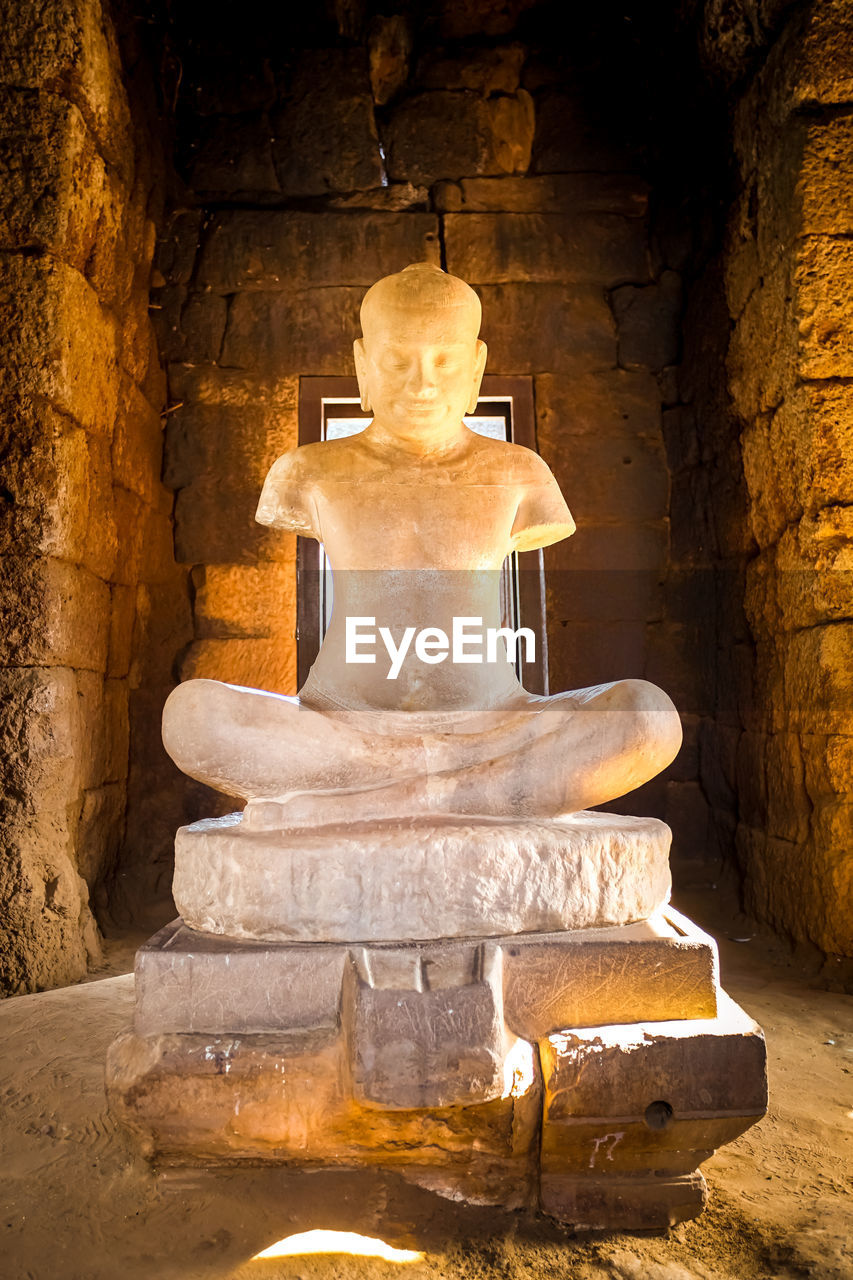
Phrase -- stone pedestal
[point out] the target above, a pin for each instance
(586, 1073)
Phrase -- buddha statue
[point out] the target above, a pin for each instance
(417, 513)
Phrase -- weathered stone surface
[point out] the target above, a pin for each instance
(758, 385)
(425, 1030)
(271, 250)
(48, 308)
(389, 48)
(616, 402)
(194, 982)
(310, 157)
(823, 268)
(825, 203)
(310, 331)
(648, 320)
(54, 43)
(63, 621)
(663, 967)
(620, 473)
(453, 135)
(614, 193)
(392, 198)
(233, 159)
(570, 138)
(384, 885)
(210, 384)
(639, 1203)
(520, 247)
(244, 601)
(574, 325)
(459, 19)
(255, 663)
(51, 176)
(653, 1098)
(485, 71)
(287, 1098)
(137, 444)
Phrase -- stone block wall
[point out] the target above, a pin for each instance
(760, 442)
(86, 524)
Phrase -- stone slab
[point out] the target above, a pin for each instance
(289, 1099)
(655, 969)
(426, 1034)
(453, 877)
(652, 1098)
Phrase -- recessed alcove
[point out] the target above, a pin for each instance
(655, 203)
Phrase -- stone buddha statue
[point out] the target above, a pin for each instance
(417, 514)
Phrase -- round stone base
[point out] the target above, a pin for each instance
(422, 879)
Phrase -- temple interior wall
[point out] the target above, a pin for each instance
(656, 215)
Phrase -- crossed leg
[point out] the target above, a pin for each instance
(541, 757)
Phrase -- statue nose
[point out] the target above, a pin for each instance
(423, 382)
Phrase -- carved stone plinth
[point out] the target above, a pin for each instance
(444, 1060)
(425, 878)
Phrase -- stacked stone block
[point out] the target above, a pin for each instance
(89, 577)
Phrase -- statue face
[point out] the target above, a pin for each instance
(420, 373)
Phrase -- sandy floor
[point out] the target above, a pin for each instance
(79, 1204)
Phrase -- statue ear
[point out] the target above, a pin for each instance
(361, 373)
(479, 370)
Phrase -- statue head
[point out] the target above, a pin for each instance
(420, 362)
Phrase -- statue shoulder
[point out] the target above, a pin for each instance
(287, 499)
(542, 516)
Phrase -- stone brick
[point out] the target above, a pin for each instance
(99, 831)
(122, 618)
(453, 135)
(507, 248)
(818, 679)
(460, 19)
(652, 1096)
(389, 49)
(604, 595)
(59, 343)
(825, 202)
(137, 447)
(392, 198)
(62, 620)
(245, 601)
(51, 177)
(291, 251)
(302, 332)
(628, 548)
(55, 43)
(485, 71)
(421, 1037)
(822, 273)
(82, 475)
(679, 660)
(758, 385)
(615, 402)
(570, 138)
(648, 320)
(574, 328)
(254, 663)
(177, 245)
(190, 327)
(581, 654)
(223, 1098)
(687, 813)
(215, 524)
(577, 193)
(233, 160)
(236, 389)
(325, 136)
(610, 477)
(228, 83)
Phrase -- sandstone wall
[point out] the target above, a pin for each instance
(761, 446)
(89, 588)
